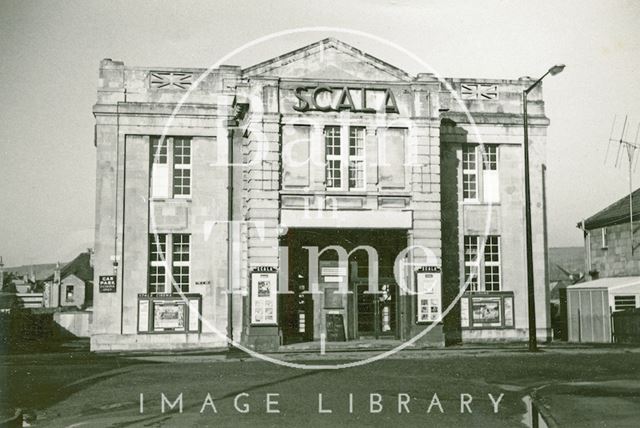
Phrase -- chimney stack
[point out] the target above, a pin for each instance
(56, 274)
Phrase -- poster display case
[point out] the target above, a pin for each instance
(428, 294)
(487, 310)
(264, 297)
(167, 313)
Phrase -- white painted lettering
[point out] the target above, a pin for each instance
(271, 402)
(375, 403)
(245, 408)
(495, 402)
(178, 402)
(465, 401)
(320, 408)
(403, 402)
(208, 401)
(435, 401)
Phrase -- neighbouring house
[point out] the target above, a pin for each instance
(72, 285)
(28, 293)
(612, 258)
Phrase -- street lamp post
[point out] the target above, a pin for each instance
(533, 342)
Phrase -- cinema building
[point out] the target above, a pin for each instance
(323, 195)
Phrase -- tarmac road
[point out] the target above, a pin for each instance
(460, 387)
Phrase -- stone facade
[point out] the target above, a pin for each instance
(246, 128)
(610, 252)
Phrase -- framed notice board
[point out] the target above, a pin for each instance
(264, 297)
(429, 292)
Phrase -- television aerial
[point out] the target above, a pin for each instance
(630, 148)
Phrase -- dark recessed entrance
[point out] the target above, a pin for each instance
(361, 314)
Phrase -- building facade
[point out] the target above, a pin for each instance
(320, 195)
(70, 286)
(611, 242)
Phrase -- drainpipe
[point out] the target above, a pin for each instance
(230, 237)
(117, 263)
(587, 247)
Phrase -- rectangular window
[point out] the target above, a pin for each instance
(488, 263)
(159, 168)
(624, 302)
(604, 238)
(469, 173)
(480, 176)
(492, 263)
(181, 167)
(170, 175)
(333, 157)
(392, 160)
(345, 157)
(490, 183)
(471, 262)
(356, 158)
(157, 262)
(69, 294)
(179, 259)
(181, 263)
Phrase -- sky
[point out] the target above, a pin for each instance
(49, 71)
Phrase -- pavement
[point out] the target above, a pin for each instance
(463, 386)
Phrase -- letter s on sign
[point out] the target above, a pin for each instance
(303, 104)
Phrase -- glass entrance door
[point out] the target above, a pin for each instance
(296, 315)
(376, 313)
(365, 312)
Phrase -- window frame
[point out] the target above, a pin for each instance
(344, 158)
(603, 234)
(470, 169)
(176, 168)
(68, 287)
(625, 305)
(358, 158)
(493, 265)
(184, 143)
(486, 158)
(471, 263)
(331, 159)
(170, 262)
(481, 264)
(178, 262)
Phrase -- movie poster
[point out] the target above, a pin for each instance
(263, 297)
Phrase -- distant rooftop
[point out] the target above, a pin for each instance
(80, 267)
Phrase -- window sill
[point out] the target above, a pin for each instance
(478, 203)
(171, 200)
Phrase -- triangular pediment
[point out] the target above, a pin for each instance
(328, 59)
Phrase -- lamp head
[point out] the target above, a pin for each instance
(556, 69)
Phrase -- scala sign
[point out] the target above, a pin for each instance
(315, 98)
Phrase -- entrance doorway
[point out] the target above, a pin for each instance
(376, 314)
(365, 315)
(296, 319)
